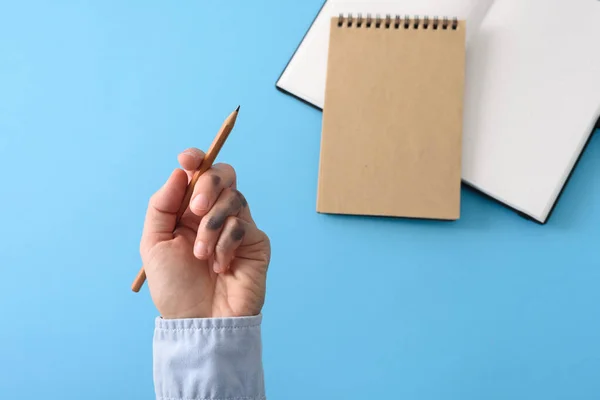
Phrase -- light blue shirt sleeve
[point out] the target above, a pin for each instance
(208, 359)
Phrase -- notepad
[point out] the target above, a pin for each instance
(392, 121)
(532, 93)
(304, 75)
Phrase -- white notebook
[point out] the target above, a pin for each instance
(532, 99)
(532, 92)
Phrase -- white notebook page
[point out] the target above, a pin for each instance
(532, 98)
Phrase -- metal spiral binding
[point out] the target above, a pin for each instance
(397, 22)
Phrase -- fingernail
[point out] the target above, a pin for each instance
(190, 153)
(200, 249)
(200, 202)
(217, 267)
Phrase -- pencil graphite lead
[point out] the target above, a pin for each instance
(238, 109)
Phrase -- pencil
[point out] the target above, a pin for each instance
(208, 161)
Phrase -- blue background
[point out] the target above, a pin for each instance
(97, 99)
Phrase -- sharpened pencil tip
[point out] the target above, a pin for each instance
(238, 109)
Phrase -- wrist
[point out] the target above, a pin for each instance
(217, 312)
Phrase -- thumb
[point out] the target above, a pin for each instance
(161, 215)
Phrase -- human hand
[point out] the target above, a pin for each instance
(214, 262)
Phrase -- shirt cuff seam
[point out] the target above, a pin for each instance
(208, 324)
(213, 398)
(214, 328)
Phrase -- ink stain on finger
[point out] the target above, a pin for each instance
(235, 201)
(238, 201)
(243, 200)
(238, 233)
(216, 221)
(216, 179)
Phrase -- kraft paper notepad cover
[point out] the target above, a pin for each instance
(393, 118)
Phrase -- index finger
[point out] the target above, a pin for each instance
(209, 187)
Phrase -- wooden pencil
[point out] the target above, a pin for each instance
(208, 161)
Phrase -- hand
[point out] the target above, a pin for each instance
(214, 262)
